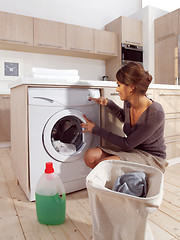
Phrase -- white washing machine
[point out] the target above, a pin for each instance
(55, 134)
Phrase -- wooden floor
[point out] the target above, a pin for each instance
(18, 215)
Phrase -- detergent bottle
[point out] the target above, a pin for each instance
(50, 198)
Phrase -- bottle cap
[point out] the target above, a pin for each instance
(49, 167)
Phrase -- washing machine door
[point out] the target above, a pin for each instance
(62, 136)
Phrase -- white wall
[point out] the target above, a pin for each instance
(94, 13)
(148, 15)
(90, 13)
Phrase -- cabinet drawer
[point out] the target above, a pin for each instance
(173, 147)
(169, 99)
(113, 95)
(172, 125)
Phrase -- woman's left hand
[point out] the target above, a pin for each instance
(88, 126)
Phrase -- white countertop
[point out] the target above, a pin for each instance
(41, 81)
(86, 83)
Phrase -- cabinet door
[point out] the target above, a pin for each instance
(79, 38)
(16, 28)
(166, 61)
(110, 122)
(132, 31)
(166, 26)
(4, 118)
(49, 33)
(105, 42)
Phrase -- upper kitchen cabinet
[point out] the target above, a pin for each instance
(16, 29)
(49, 34)
(166, 48)
(128, 29)
(166, 26)
(79, 38)
(166, 61)
(132, 31)
(105, 42)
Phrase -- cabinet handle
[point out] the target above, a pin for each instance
(109, 53)
(15, 41)
(132, 42)
(169, 94)
(172, 141)
(169, 118)
(114, 93)
(166, 36)
(50, 45)
(5, 97)
(81, 49)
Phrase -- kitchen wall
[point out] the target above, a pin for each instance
(94, 14)
(147, 15)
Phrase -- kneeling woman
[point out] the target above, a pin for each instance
(143, 123)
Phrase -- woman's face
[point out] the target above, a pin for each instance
(125, 92)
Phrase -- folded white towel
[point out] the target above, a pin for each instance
(55, 71)
(60, 77)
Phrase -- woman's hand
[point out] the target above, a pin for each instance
(101, 101)
(88, 126)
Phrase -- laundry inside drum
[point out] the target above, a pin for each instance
(66, 135)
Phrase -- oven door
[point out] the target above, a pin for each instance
(131, 53)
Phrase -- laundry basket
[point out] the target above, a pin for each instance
(119, 216)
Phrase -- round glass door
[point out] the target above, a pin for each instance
(62, 135)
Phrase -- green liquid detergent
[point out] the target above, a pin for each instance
(50, 207)
(51, 210)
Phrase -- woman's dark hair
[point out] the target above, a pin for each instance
(133, 74)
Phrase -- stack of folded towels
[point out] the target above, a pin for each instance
(61, 74)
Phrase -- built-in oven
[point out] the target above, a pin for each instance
(131, 53)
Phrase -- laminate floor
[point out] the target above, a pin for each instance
(18, 215)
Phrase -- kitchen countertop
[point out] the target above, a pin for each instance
(56, 82)
(86, 83)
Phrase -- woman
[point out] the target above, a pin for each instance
(143, 123)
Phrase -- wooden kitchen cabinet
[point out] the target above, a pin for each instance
(4, 118)
(170, 100)
(166, 60)
(109, 122)
(166, 26)
(22, 33)
(79, 38)
(49, 34)
(16, 29)
(128, 31)
(105, 42)
(132, 31)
